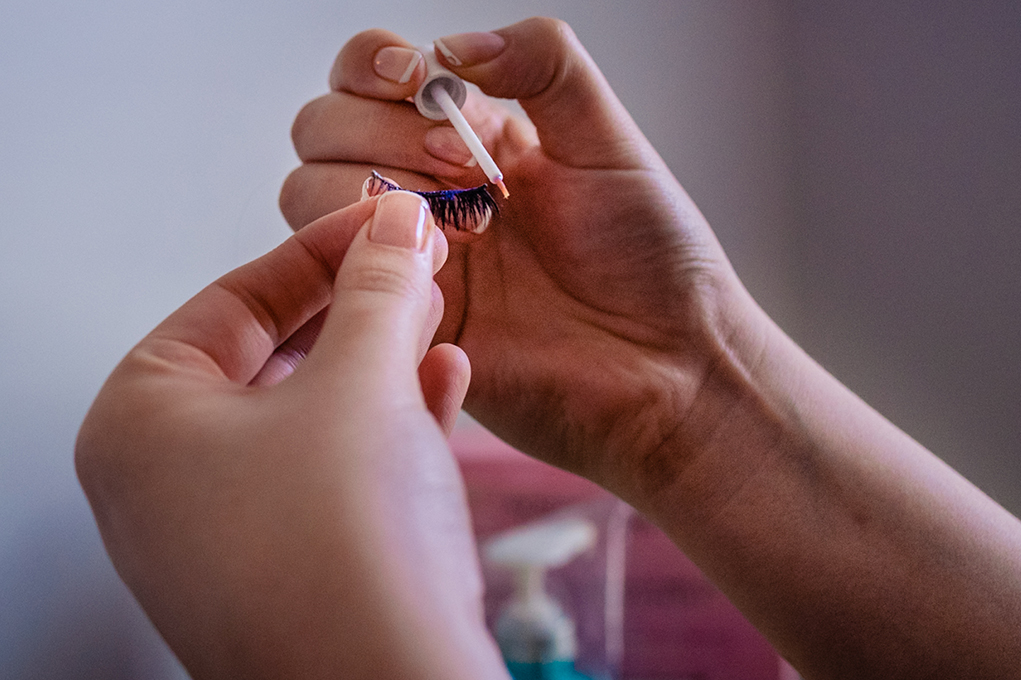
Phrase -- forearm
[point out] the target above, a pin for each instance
(856, 550)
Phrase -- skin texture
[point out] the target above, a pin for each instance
(266, 522)
(607, 334)
(561, 281)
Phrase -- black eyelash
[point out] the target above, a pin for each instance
(457, 208)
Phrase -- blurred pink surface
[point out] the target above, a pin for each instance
(677, 625)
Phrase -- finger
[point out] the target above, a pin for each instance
(291, 353)
(344, 127)
(326, 187)
(432, 321)
(338, 126)
(288, 356)
(232, 327)
(370, 342)
(541, 63)
(445, 374)
(359, 73)
(315, 189)
(378, 64)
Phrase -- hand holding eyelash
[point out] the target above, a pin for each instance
(462, 210)
(598, 259)
(609, 335)
(245, 512)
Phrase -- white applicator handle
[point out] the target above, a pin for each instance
(440, 97)
(472, 140)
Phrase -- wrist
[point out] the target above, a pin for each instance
(720, 411)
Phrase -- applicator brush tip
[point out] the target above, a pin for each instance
(503, 187)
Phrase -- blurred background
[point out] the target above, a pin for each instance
(860, 162)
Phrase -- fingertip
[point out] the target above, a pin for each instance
(288, 356)
(314, 190)
(291, 199)
(378, 64)
(382, 295)
(400, 65)
(469, 49)
(518, 61)
(445, 374)
(441, 249)
(402, 219)
(541, 63)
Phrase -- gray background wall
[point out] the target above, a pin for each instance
(860, 163)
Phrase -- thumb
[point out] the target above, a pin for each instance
(371, 339)
(541, 63)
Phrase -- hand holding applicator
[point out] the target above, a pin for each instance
(441, 97)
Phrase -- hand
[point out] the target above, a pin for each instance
(609, 335)
(598, 299)
(312, 526)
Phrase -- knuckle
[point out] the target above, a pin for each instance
(556, 32)
(544, 49)
(305, 124)
(88, 466)
(355, 59)
(292, 197)
(368, 41)
(564, 41)
(102, 461)
(389, 281)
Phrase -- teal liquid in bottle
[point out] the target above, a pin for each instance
(536, 636)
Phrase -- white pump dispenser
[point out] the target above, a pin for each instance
(533, 628)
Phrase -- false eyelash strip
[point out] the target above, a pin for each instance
(467, 210)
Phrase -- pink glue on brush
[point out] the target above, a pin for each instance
(441, 97)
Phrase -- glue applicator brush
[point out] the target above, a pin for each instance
(471, 139)
(441, 97)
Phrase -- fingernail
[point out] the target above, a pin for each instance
(445, 144)
(397, 64)
(401, 219)
(377, 185)
(469, 49)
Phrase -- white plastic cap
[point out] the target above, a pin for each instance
(437, 76)
(533, 628)
(546, 544)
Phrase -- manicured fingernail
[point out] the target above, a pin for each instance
(396, 64)
(401, 220)
(377, 185)
(444, 143)
(469, 49)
